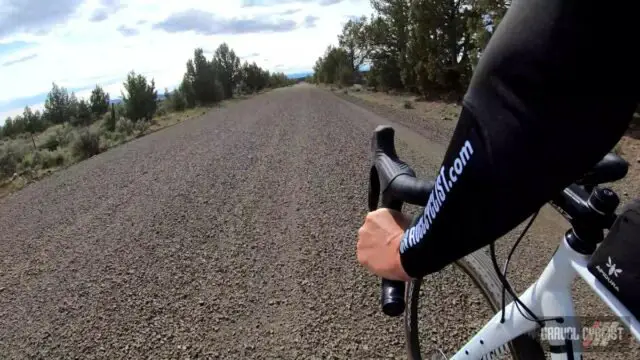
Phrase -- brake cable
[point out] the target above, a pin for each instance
(506, 287)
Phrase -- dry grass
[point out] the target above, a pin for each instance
(174, 118)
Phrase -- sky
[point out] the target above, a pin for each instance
(80, 43)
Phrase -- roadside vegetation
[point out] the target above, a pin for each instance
(69, 129)
(417, 55)
(428, 48)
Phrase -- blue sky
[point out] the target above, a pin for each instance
(81, 43)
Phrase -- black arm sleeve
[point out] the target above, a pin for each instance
(554, 91)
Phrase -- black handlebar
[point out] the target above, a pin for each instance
(590, 209)
(395, 179)
(398, 184)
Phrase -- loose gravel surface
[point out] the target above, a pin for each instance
(227, 236)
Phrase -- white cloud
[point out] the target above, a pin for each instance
(77, 51)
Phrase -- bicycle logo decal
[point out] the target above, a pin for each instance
(612, 268)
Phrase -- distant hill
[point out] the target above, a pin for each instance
(300, 75)
(304, 74)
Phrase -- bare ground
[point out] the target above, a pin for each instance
(227, 236)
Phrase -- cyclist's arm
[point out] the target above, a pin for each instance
(544, 105)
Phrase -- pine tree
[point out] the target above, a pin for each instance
(57, 105)
(140, 98)
(99, 101)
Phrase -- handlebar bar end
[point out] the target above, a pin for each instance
(393, 297)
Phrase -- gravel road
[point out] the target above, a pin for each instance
(227, 236)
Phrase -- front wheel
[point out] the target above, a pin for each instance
(479, 270)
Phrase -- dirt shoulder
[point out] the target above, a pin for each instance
(434, 120)
(629, 149)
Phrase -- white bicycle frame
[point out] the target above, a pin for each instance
(549, 296)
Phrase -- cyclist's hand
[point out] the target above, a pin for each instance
(379, 243)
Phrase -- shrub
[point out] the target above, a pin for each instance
(62, 137)
(108, 135)
(141, 126)
(51, 143)
(65, 135)
(161, 110)
(10, 157)
(28, 161)
(42, 159)
(118, 138)
(408, 105)
(110, 119)
(124, 126)
(51, 159)
(111, 139)
(120, 110)
(178, 102)
(86, 145)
